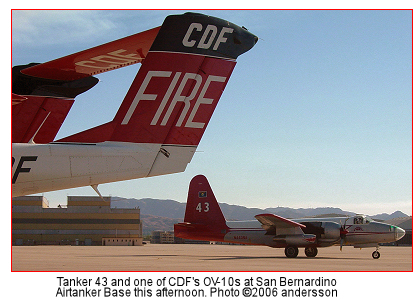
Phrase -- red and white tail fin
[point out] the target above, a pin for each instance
(203, 218)
(178, 86)
(202, 206)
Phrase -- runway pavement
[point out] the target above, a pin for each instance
(183, 257)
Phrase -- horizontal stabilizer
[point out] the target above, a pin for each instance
(113, 55)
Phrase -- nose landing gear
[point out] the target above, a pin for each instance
(376, 253)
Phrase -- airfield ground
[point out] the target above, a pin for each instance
(183, 257)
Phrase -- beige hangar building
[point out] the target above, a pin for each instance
(83, 221)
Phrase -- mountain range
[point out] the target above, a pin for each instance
(159, 214)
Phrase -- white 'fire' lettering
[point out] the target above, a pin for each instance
(140, 94)
(165, 98)
(202, 100)
(177, 97)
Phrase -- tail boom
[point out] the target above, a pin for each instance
(198, 232)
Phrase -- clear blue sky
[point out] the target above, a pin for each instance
(318, 113)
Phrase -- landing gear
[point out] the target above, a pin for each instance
(291, 251)
(376, 254)
(310, 251)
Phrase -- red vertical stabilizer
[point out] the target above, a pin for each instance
(203, 218)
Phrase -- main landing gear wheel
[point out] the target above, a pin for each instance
(376, 254)
(310, 251)
(291, 251)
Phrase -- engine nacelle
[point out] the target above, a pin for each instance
(331, 231)
(327, 233)
(296, 240)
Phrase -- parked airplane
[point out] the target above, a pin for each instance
(186, 64)
(204, 220)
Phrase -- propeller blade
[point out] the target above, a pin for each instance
(343, 233)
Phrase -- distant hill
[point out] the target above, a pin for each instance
(152, 223)
(159, 214)
(385, 217)
(155, 207)
(288, 212)
(174, 209)
(237, 212)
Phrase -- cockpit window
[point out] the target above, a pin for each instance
(358, 220)
(362, 220)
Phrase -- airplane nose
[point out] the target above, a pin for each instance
(399, 233)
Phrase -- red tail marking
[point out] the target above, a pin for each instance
(203, 218)
(202, 207)
(170, 101)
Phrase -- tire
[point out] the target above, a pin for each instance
(376, 254)
(311, 251)
(291, 251)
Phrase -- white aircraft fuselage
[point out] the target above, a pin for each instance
(368, 234)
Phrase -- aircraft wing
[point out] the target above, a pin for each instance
(110, 56)
(271, 223)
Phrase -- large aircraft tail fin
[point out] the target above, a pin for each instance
(186, 64)
(203, 218)
(178, 86)
(202, 206)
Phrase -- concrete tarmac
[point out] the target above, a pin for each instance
(187, 257)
